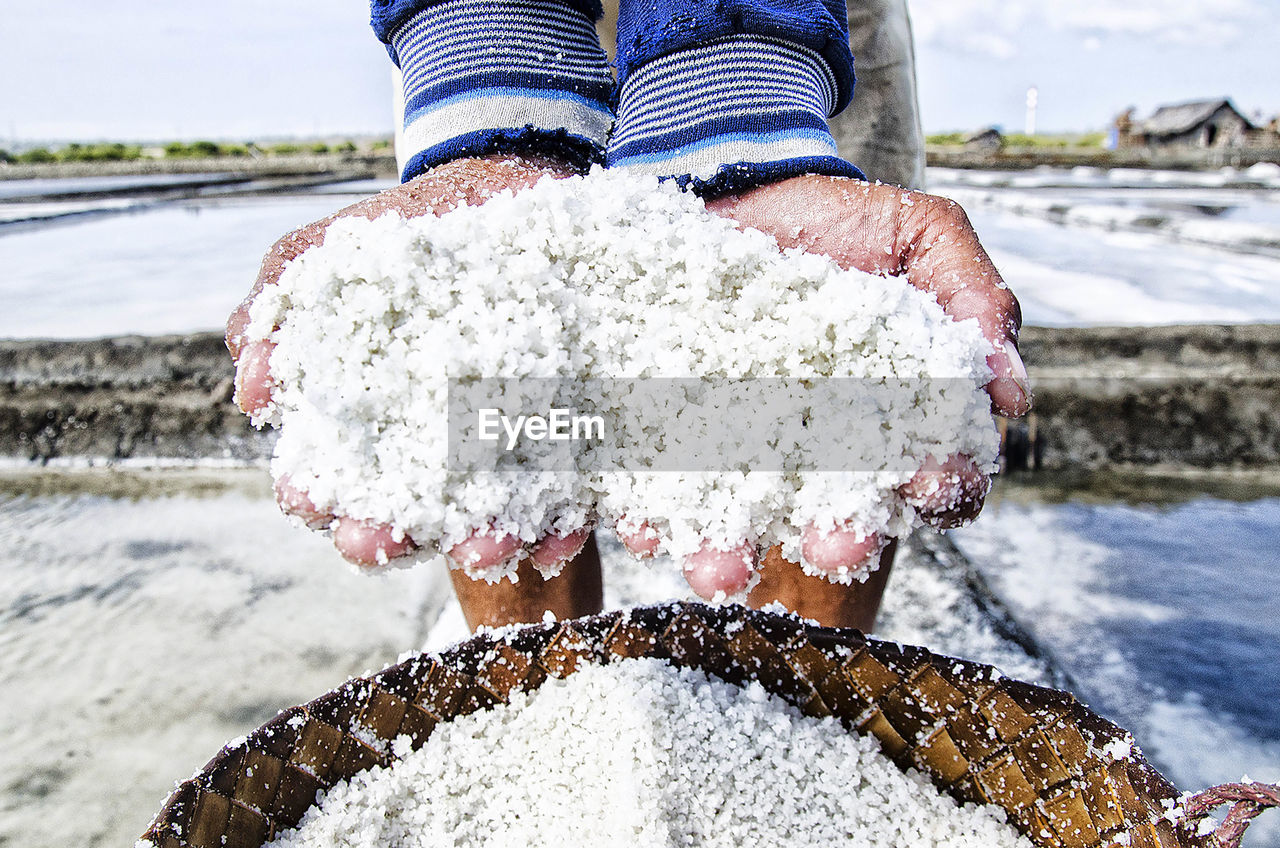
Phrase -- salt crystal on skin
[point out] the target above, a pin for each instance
(606, 276)
(640, 753)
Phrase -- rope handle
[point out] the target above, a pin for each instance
(1247, 801)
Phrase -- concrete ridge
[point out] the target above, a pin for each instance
(384, 164)
(1193, 396)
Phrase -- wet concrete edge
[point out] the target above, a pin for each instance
(1194, 396)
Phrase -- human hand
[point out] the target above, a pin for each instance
(882, 229)
(463, 181)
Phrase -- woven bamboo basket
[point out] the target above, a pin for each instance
(1050, 763)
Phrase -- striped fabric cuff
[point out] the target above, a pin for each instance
(729, 115)
(486, 76)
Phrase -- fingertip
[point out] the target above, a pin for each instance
(237, 323)
(253, 382)
(839, 549)
(553, 549)
(641, 539)
(369, 544)
(295, 501)
(714, 573)
(484, 549)
(947, 494)
(1008, 398)
(1010, 387)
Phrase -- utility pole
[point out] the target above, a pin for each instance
(397, 117)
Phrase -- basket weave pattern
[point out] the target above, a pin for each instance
(1036, 752)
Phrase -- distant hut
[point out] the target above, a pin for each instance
(1269, 135)
(1201, 123)
(985, 141)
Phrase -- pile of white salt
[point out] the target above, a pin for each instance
(639, 753)
(607, 276)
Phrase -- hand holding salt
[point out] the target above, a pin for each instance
(568, 253)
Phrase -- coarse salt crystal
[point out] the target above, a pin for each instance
(640, 753)
(604, 276)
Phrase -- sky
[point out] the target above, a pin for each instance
(1090, 59)
(246, 69)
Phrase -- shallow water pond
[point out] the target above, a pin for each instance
(1165, 609)
(137, 635)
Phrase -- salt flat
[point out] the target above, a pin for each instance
(140, 633)
(181, 267)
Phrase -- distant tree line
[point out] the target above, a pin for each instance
(74, 153)
(117, 152)
(1066, 140)
(205, 149)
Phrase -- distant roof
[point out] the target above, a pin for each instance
(1180, 117)
(989, 132)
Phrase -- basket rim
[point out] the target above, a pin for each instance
(481, 671)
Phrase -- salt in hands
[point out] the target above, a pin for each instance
(859, 232)
(363, 542)
(880, 229)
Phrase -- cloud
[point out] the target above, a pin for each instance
(1172, 21)
(996, 30)
(982, 27)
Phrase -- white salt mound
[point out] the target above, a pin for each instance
(607, 276)
(639, 753)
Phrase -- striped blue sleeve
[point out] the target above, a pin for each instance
(498, 76)
(728, 94)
